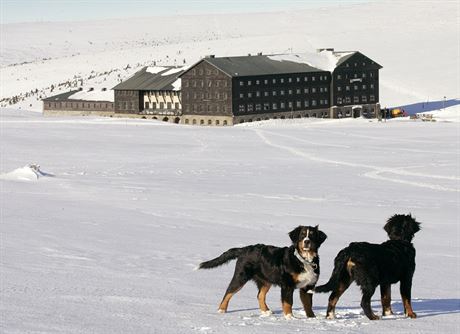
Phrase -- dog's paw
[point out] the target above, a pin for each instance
(266, 313)
(411, 315)
(330, 315)
(221, 310)
(289, 316)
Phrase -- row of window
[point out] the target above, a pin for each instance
(202, 83)
(80, 105)
(322, 114)
(202, 122)
(355, 87)
(281, 80)
(282, 92)
(126, 105)
(290, 105)
(356, 99)
(161, 105)
(354, 76)
(206, 95)
(208, 71)
(208, 107)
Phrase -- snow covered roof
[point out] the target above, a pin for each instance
(258, 65)
(153, 78)
(84, 95)
(324, 60)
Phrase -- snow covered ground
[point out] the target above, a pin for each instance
(108, 243)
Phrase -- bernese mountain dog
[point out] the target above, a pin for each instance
(291, 267)
(370, 265)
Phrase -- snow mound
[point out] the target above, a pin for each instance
(30, 172)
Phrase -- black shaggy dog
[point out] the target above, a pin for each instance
(291, 267)
(377, 264)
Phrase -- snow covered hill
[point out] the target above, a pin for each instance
(416, 42)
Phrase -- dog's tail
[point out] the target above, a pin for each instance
(340, 264)
(227, 256)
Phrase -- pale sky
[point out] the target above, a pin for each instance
(13, 11)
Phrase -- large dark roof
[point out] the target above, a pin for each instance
(152, 79)
(258, 65)
(61, 97)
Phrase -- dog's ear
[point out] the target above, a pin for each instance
(294, 234)
(321, 235)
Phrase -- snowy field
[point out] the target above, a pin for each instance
(107, 242)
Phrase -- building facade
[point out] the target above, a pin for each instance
(78, 103)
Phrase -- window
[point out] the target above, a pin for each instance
(241, 95)
(364, 86)
(305, 79)
(364, 75)
(266, 81)
(282, 92)
(371, 86)
(298, 91)
(241, 83)
(282, 80)
(241, 108)
(313, 90)
(274, 81)
(209, 107)
(306, 104)
(298, 79)
(282, 105)
(313, 78)
(250, 107)
(347, 99)
(202, 122)
(290, 105)
(356, 87)
(249, 82)
(339, 100)
(217, 122)
(200, 71)
(258, 107)
(298, 104)
(306, 90)
(249, 94)
(372, 98)
(208, 72)
(154, 105)
(162, 105)
(209, 122)
(339, 77)
(290, 80)
(325, 89)
(185, 83)
(201, 83)
(356, 99)
(347, 88)
(371, 74)
(266, 106)
(209, 83)
(274, 106)
(257, 82)
(258, 94)
(265, 93)
(290, 91)
(274, 93)
(313, 103)
(147, 105)
(364, 98)
(168, 105)
(194, 83)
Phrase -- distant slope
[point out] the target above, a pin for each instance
(416, 42)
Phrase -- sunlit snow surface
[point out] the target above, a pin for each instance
(109, 244)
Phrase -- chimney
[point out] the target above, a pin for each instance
(259, 53)
(210, 56)
(249, 55)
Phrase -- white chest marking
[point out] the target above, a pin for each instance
(307, 277)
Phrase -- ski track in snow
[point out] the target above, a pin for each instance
(376, 171)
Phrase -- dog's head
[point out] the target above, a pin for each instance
(307, 240)
(401, 227)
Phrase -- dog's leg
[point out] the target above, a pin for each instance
(368, 290)
(307, 301)
(238, 281)
(405, 289)
(335, 295)
(385, 294)
(286, 300)
(263, 290)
